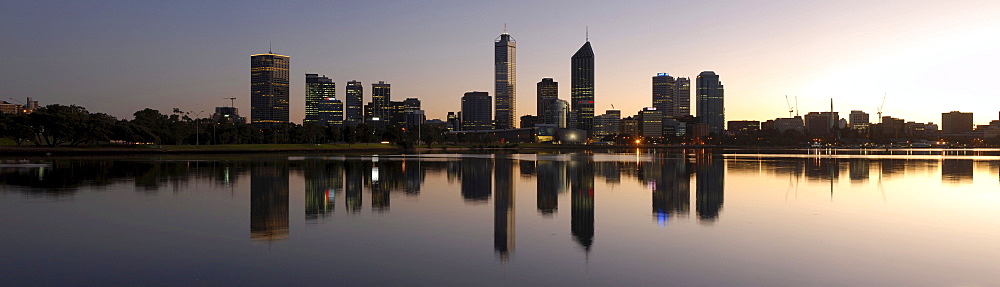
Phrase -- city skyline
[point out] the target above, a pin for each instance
(878, 54)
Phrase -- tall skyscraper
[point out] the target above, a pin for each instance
(355, 98)
(548, 93)
(380, 100)
(711, 107)
(582, 93)
(505, 72)
(663, 101)
(318, 89)
(268, 90)
(476, 111)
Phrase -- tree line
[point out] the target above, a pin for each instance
(61, 125)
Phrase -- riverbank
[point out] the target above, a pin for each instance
(197, 149)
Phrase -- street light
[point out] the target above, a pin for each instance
(197, 130)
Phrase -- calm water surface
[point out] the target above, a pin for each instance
(627, 218)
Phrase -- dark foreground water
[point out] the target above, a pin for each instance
(633, 218)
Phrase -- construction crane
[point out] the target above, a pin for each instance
(796, 106)
(880, 108)
(790, 110)
(232, 102)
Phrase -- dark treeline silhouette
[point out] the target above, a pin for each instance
(56, 125)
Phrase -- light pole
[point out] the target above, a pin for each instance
(197, 128)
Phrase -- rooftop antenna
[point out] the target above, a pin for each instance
(232, 102)
(269, 48)
(588, 33)
(505, 27)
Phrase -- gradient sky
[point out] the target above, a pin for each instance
(118, 57)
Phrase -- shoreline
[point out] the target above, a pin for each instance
(385, 148)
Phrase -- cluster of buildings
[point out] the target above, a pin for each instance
(27, 107)
(269, 102)
(575, 121)
(555, 119)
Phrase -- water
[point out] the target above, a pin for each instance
(629, 218)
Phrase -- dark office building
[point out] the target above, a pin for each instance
(956, 122)
(711, 106)
(268, 90)
(317, 89)
(582, 84)
(476, 111)
(547, 95)
(505, 72)
(381, 100)
(354, 101)
(330, 112)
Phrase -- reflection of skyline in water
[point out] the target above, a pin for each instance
(480, 179)
(269, 202)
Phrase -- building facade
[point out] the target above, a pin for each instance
(505, 80)
(381, 97)
(582, 88)
(547, 94)
(354, 104)
(956, 122)
(711, 105)
(477, 111)
(269, 80)
(318, 88)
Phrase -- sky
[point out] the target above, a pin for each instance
(118, 57)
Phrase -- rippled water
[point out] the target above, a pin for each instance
(639, 217)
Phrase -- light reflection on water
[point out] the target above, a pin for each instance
(693, 218)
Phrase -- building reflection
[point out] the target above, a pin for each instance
(551, 181)
(503, 208)
(957, 170)
(378, 182)
(269, 201)
(581, 173)
(354, 181)
(476, 179)
(859, 169)
(323, 179)
(711, 172)
(671, 190)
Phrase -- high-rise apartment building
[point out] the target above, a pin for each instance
(711, 107)
(582, 88)
(268, 90)
(548, 93)
(560, 113)
(354, 110)
(505, 76)
(380, 100)
(477, 111)
(318, 88)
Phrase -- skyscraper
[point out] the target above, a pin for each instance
(268, 90)
(355, 96)
(548, 93)
(711, 108)
(582, 93)
(663, 101)
(318, 89)
(476, 111)
(682, 103)
(380, 100)
(505, 72)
